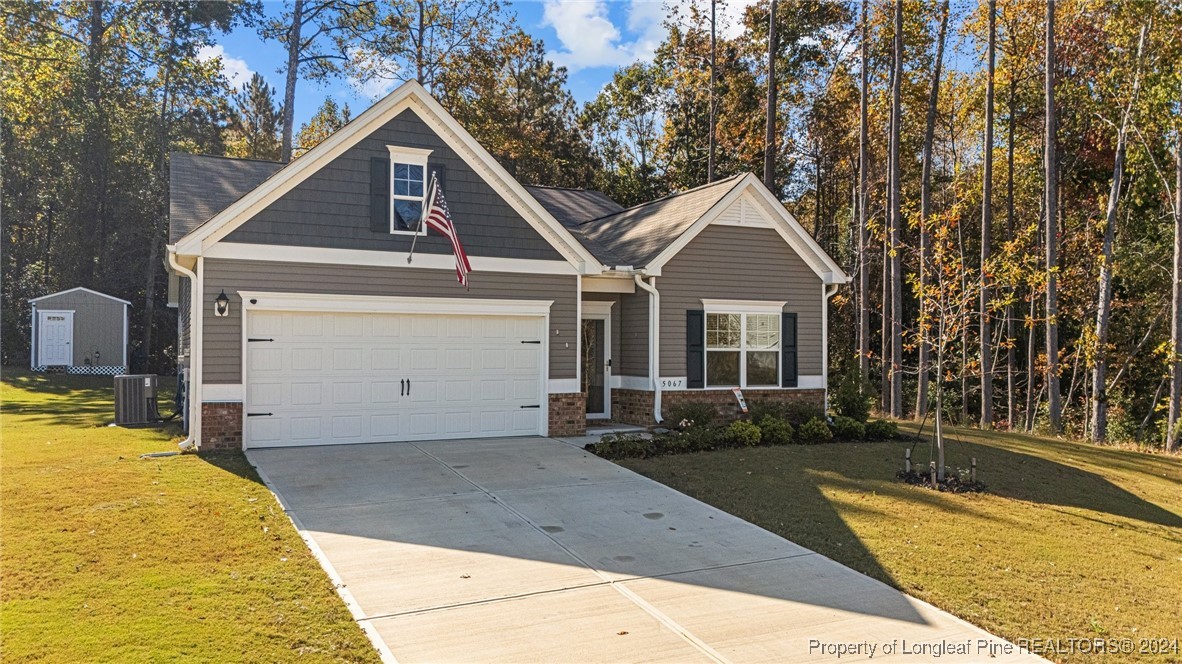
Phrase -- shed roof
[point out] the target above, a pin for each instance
(202, 185)
(76, 289)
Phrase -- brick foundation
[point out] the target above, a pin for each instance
(636, 406)
(221, 426)
(568, 414)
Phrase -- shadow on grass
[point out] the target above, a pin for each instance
(1038, 479)
(73, 400)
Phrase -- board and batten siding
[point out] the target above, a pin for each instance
(736, 263)
(634, 334)
(222, 343)
(98, 326)
(330, 209)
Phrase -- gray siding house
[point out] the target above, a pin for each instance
(79, 331)
(303, 318)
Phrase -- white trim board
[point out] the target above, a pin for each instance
(408, 96)
(368, 258)
(79, 288)
(742, 306)
(642, 384)
(392, 304)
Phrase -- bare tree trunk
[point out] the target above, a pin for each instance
(769, 148)
(713, 82)
(925, 204)
(1011, 341)
(1031, 356)
(294, 35)
(986, 335)
(863, 230)
(1176, 310)
(1104, 297)
(1054, 406)
(896, 254)
(885, 331)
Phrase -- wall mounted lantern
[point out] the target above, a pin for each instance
(221, 305)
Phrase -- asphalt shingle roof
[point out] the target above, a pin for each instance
(638, 234)
(572, 207)
(201, 186)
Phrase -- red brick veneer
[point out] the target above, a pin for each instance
(221, 426)
(636, 406)
(568, 414)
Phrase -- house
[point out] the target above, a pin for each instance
(79, 331)
(303, 320)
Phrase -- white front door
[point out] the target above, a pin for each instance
(327, 378)
(56, 332)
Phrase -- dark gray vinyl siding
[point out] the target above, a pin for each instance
(330, 209)
(98, 327)
(735, 263)
(634, 334)
(223, 336)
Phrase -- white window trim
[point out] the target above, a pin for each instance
(742, 350)
(742, 306)
(415, 157)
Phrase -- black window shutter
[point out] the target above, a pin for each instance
(695, 348)
(379, 194)
(440, 172)
(788, 349)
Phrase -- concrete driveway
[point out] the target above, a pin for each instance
(532, 550)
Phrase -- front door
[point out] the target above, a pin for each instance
(597, 365)
(56, 330)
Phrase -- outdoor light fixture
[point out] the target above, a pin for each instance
(221, 305)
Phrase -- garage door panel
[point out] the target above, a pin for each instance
(338, 378)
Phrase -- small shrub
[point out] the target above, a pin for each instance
(692, 414)
(881, 430)
(847, 428)
(742, 433)
(612, 446)
(776, 431)
(671, 443)
(814, 432)
(761, 410)
(799, 413)
(849, 400)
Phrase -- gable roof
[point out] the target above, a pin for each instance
(638, 234)
(78, 288)
(200, 186)
(410, 95)
(572, 207)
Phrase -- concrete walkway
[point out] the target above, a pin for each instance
(532, 550)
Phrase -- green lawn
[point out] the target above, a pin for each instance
(1070, 541)
(107, 557)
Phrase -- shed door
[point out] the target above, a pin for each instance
(332, 378)
(56, 331)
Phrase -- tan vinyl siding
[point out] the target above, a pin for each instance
(222, 343)
(98, 326)
(183, 327)
(634, 334)
(734, 263)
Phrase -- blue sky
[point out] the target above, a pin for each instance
(591, 38)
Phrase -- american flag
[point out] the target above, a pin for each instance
(439, 218)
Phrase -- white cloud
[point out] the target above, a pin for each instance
(588, 37)
(236, 71)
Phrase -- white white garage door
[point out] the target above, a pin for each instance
(327, 378)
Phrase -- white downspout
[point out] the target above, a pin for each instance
(194, 355)
(654, 340)
(829, 291)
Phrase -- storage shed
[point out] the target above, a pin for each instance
(79, 331)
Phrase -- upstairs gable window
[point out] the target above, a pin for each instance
(408, 187)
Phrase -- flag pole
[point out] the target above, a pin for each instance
(422, 217)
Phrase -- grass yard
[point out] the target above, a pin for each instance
(1070, 541)
(107, 557)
